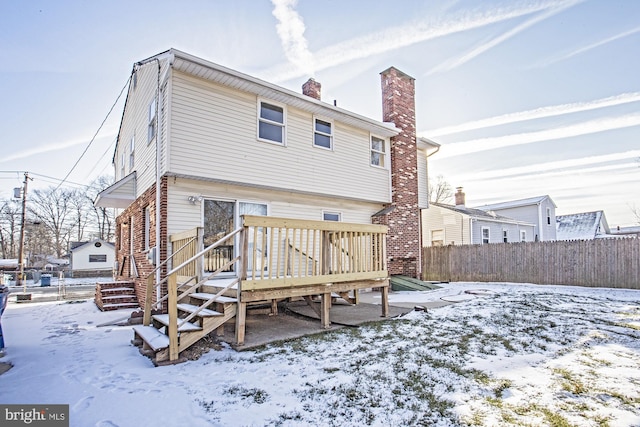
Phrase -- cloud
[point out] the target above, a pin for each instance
(460, 60)
(538, 113)
(584, 128)
(560, 166)
(405, 35)
(291, 30)
(587, 48)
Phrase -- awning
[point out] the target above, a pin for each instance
(118, 195)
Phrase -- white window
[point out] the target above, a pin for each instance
(271, 122)
(548, 216)
(132, 150)
(331, 216)
(523, 235)
(147, 227)
(485, 235)
(151, 128)
(505, 236)
(437, 237)
(123, 163)
(322, 134)
(98, 258)
(378, 155)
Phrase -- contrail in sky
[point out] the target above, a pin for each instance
(588, 48)
(551, 166)
(584, 128)
(456, 62)
(538, 113)
(405, 35)
(47, 149)
(291, 30)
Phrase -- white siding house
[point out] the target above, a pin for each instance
(199, 141)
(94, 255)
(540, 211)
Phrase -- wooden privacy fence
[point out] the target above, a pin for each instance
(613, 263)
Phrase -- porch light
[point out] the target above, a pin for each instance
(194, 199)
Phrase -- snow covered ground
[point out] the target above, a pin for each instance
(507, 354)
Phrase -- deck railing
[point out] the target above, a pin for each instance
(274, 254)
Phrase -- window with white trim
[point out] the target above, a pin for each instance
(151, 127)
(523, 235)
(123, 164)
(271, 122)
(505, 236)
(548, 216)
(331, 216)
(132, 150)
(98, 258)
(437, 237)
(485, 235)
(147, 227)
(322, 133)
(378, 154)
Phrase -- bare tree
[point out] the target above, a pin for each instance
(9, 227)
(104, 218)
(636, 212)
(53, 208)
(440, 191)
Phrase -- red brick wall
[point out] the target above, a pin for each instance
(135, 214)
(311, 88)
(403, 240)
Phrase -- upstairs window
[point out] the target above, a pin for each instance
(123, 164)
(151, 128)
(322, 134)
(485, 235)
(132, 150)
(271, 120)
(378, 155)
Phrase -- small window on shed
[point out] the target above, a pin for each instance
(98, 258)
(97, 244)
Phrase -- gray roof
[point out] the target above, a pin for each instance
(481, 214)
(516, 203)
(579, 226)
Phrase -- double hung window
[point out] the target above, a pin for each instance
(271, 122)
(378, 154)
(322, 134)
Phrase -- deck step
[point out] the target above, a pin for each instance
(206, 297)
(205, 312)
(153, 337)
(187, 327)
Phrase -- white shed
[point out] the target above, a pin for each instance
(94, 255)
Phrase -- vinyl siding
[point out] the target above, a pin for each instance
(423, 180)
(454, 225)
(213, 136)
(182, 215)
(135, 122)
(495, 231)
(536, 215)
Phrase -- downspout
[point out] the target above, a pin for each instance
(158, 186)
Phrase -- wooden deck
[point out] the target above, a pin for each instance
(278, 259)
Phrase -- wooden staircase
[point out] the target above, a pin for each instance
(199, 314)
(115, 295)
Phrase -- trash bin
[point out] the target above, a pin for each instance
(45, 280)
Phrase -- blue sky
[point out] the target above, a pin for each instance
(526, 97)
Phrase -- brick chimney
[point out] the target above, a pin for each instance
(403, 215)
(460, 199)
(311, 88)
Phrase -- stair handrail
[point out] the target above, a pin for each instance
(208, 302)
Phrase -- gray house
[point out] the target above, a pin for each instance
(540, 211)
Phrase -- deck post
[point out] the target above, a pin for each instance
(199, 247)
(325, 309)
(241, 320)
(385, 300)
(146, 319)
(172, 310)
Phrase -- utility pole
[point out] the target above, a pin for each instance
(20, 279)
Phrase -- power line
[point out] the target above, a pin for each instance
(96, 134)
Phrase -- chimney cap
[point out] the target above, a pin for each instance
(397, 72)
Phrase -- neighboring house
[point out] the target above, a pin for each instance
(94, 255)
(582, 226)
(201, 144)
(459, 225)
(631, 231)
(540, 211)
